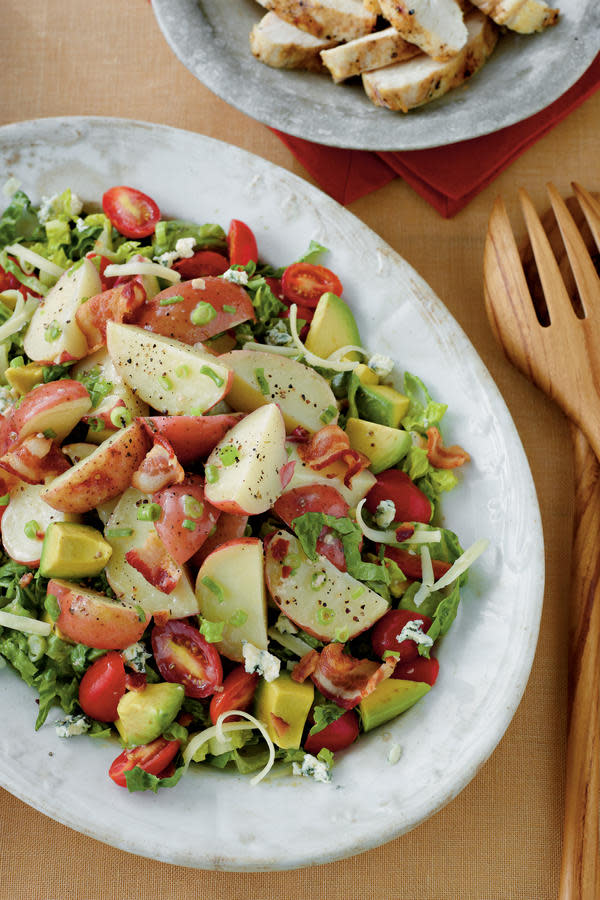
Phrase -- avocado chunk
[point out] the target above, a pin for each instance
(390, 698)
(71, 550)
(144, 715)
(365, 375)
(333, 326)
(383, 445)
(282, 706)
(382, 404)
(23, 378)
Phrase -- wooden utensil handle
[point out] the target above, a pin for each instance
(580, 869)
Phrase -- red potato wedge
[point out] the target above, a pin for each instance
(102, 475)
(316, 596)
(187, 518)
(191, 437)
(90, 618)
(55, 407)
(173, 319)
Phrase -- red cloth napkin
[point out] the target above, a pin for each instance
(447, 177)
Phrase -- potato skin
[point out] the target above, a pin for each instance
(104, 474)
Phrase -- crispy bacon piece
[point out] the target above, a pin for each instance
(305, 668)
(34, 459)
(410, 563)
(329, 445)
(118, 304)
(444, 457)
(155, 564)
(159, 469)
(346, 680)
(279, 549)
(161, 617)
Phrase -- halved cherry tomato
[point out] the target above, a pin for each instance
(153, 758)
(238, 691)
(203, 262)
(303, 283)
(411, 503)
(336, 736)
(185, 657)
(385, 631)
(8, 282)
(241, 244)
(276, 288)
(419, 669)
(410, 563)
(102, 686)
(101, 262)
(133, 213)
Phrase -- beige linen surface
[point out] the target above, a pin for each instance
(500, 838)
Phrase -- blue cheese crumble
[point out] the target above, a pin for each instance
(413, 631)
(312, 767)
(285, 625)
(236, 276)
(135, 657)
(184, 249)
(260, 661)
(72, 725)
(385, 513)
(381, 365)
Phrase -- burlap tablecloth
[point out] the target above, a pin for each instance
(500, 838)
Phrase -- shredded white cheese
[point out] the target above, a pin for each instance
(23, 254)
(420, 535)
(24, 624)
(142, 268)
(221, 728)
(312, 358)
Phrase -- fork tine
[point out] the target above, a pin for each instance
(504, 277)
(555, 293)
(590, 208)
(579, 257)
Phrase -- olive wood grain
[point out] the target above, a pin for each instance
(543, 304)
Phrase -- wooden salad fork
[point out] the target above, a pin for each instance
(551, 332)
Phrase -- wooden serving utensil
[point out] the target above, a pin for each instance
(551, 332)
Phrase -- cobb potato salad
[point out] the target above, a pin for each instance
(218, 511)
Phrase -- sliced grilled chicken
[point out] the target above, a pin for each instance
(420, 80)
(283, 46)
(436, 26)
(373, 51)
(524, 16)
(330, 20)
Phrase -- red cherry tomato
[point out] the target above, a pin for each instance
(241, 244)
(336, 736)
(185, 657)
(238, 691)
(383, 636)
(418, 669)
(153, 758)
(275, 285)
(303, 283)
(134, 214)
(410, 563)
(101, 262)
(411, 503)
(8, 282)
(203, 262)
(302, 312)
(102, 686)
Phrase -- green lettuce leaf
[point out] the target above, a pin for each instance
(423, 412)
(308, 528)
(19, 221)
(139, 780)
(324, 715)
(169, 231)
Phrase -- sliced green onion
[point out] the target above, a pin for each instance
(169, 301)
(212, 631)
(229, 309)
(357, 592)
(182, 371)
(118, 532)
(140, 613)
(239, 618)
(5, 500)
(229, 455)
(214, 587)
(318, 581)
(196, 411)
(189, 524)
(96, 424)
(342, 634)
(149, 512)
(31, 528)
(53, 331)
(50, 433)
(192, 507)
(210, 373)
(388, 653)
(328, 414)
(165, 382)
(263, 384)
(202, 313)
(120, 417)
(211, 473)
(325, 614)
